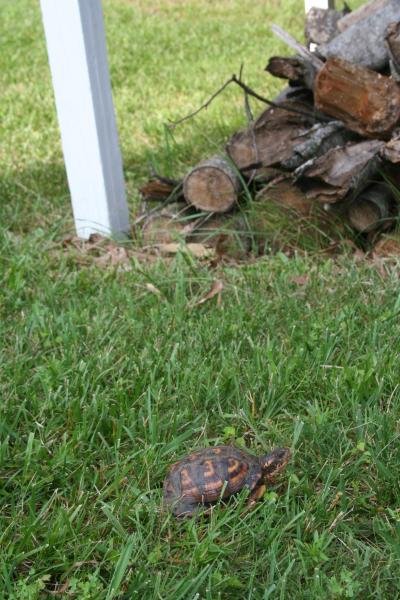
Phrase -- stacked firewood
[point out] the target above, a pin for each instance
(331, 139)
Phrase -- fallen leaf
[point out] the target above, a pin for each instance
(216, 290)
(197, 250)
(301, 279)
(153, 289)
(387, 246)
(113, 256)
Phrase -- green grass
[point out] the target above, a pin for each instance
(104, 384)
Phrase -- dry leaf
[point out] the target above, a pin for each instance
(103, 252)
(197, 250)
(153, 289)
(301, 279)
(171, 248)
(215, 290)
(387, 246)
(379, 263)
(113, 256)
(200, 250)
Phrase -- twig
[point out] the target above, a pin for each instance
(250, 92)
(300, 49)
(250, 123)
(203, 106)
(282, 106)
(154, 173)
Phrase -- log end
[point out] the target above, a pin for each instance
(212, 186)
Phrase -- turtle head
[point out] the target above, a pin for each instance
(274, 463)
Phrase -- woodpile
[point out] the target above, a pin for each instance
(328, 147)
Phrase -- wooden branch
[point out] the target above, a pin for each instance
(299, 48)
(316, 142)
(296, 69)
(281, 105)
(367, 102)
(161, 190)
(321, 25)
(364, 42)
(271, 138)
(363, 12)
(372, 209)
(330, 178)
(248, 90)
(213, 185)
(204, 106)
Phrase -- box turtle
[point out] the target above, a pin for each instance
(203, 477)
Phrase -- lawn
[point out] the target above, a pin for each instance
(104, 383)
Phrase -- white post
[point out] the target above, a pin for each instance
(308, 4)
(78, 61)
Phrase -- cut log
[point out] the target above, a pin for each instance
(296, 69)
(321, 25)
(169, 224)
(283, 219)
(271, 138)
(393, 45)
(365, 11)
(367, 102)
(288, 196)
(212, 186)
(316, 142)
(364, 42)
(157, 189)
(228, 234)
(372, 209)
(329, 178)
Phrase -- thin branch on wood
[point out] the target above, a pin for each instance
(247, 108)
(234, 79)
(167, 180)
(299, 48)
(318, 116)
(204, 106)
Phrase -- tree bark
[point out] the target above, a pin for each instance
(316, 142)
(365, 11)
(393, 45)
(367, 102)
(321, 25)
(329, 178)
(298, 70)
(271, 138)
(363, 43)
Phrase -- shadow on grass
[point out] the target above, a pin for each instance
(39, 196)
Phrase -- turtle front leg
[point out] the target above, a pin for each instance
(255, 495)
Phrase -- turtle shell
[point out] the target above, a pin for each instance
(207, 475)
